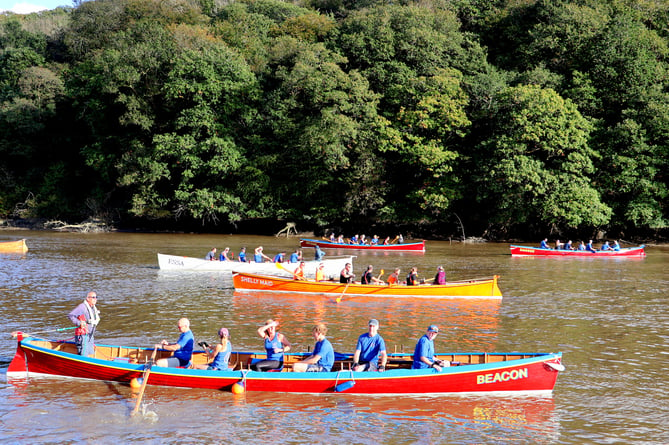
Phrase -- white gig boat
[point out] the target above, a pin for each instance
(332, 266)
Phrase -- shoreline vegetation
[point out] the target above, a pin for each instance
(93, 225)
(439, 119)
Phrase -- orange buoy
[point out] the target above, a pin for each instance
(238, 388)
(136, 383)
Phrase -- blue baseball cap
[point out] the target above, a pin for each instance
(433, 328)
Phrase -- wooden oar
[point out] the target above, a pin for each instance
(280, 266)
(145, 378)
(44, 332)
(342, 294)
(393, 241)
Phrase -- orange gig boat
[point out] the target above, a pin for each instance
(475, 288)
(13, 246)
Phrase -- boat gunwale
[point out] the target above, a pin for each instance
(393, 374)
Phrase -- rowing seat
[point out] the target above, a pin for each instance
(253, 361)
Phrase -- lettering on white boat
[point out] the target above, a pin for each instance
(503, 376)
(175, 262)
(257, 281)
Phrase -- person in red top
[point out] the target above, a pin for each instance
(394, 277)
(299, 272)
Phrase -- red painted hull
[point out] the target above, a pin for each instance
(404, 247)
(632, 252)
(537, 373)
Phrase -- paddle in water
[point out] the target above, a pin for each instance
(145, 379)
(346, 287)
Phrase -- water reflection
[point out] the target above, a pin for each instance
(608, 317)
(379, 419)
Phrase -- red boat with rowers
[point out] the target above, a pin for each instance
(418, 246)
(629, 252)
(478, 373)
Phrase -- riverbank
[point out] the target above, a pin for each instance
(279, 228)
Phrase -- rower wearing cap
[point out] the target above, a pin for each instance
(370, 346)
(423, 356)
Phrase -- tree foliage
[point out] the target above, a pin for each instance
(520, 116)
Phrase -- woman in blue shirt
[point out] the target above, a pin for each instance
(276, 344)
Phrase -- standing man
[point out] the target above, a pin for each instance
(318, 254)
(183, 348)
(423, 355)
(86, 317)
(370, 346)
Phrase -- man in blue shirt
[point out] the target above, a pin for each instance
(183, 348)
(295, 257)
(544, 244)
(370, 346)
(322, 359)
(319, 254)
(278, 258)
(211, 255)
(423, 356)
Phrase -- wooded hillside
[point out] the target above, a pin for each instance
(518, 118)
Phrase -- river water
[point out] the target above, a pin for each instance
(609, 317)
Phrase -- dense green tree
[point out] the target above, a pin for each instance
(191, 166)
(326, 131)
(534, 167)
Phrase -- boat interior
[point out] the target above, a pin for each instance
(243, 360)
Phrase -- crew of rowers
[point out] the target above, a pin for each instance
(259, 256)
(364, 241)
(370, 351)
(347, 276)
(582, 246)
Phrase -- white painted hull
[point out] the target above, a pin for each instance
(332, 266)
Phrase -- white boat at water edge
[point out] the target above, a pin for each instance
(332, 266)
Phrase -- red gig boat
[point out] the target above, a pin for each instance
(403, 247)
(479, 373)
(630, 252)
